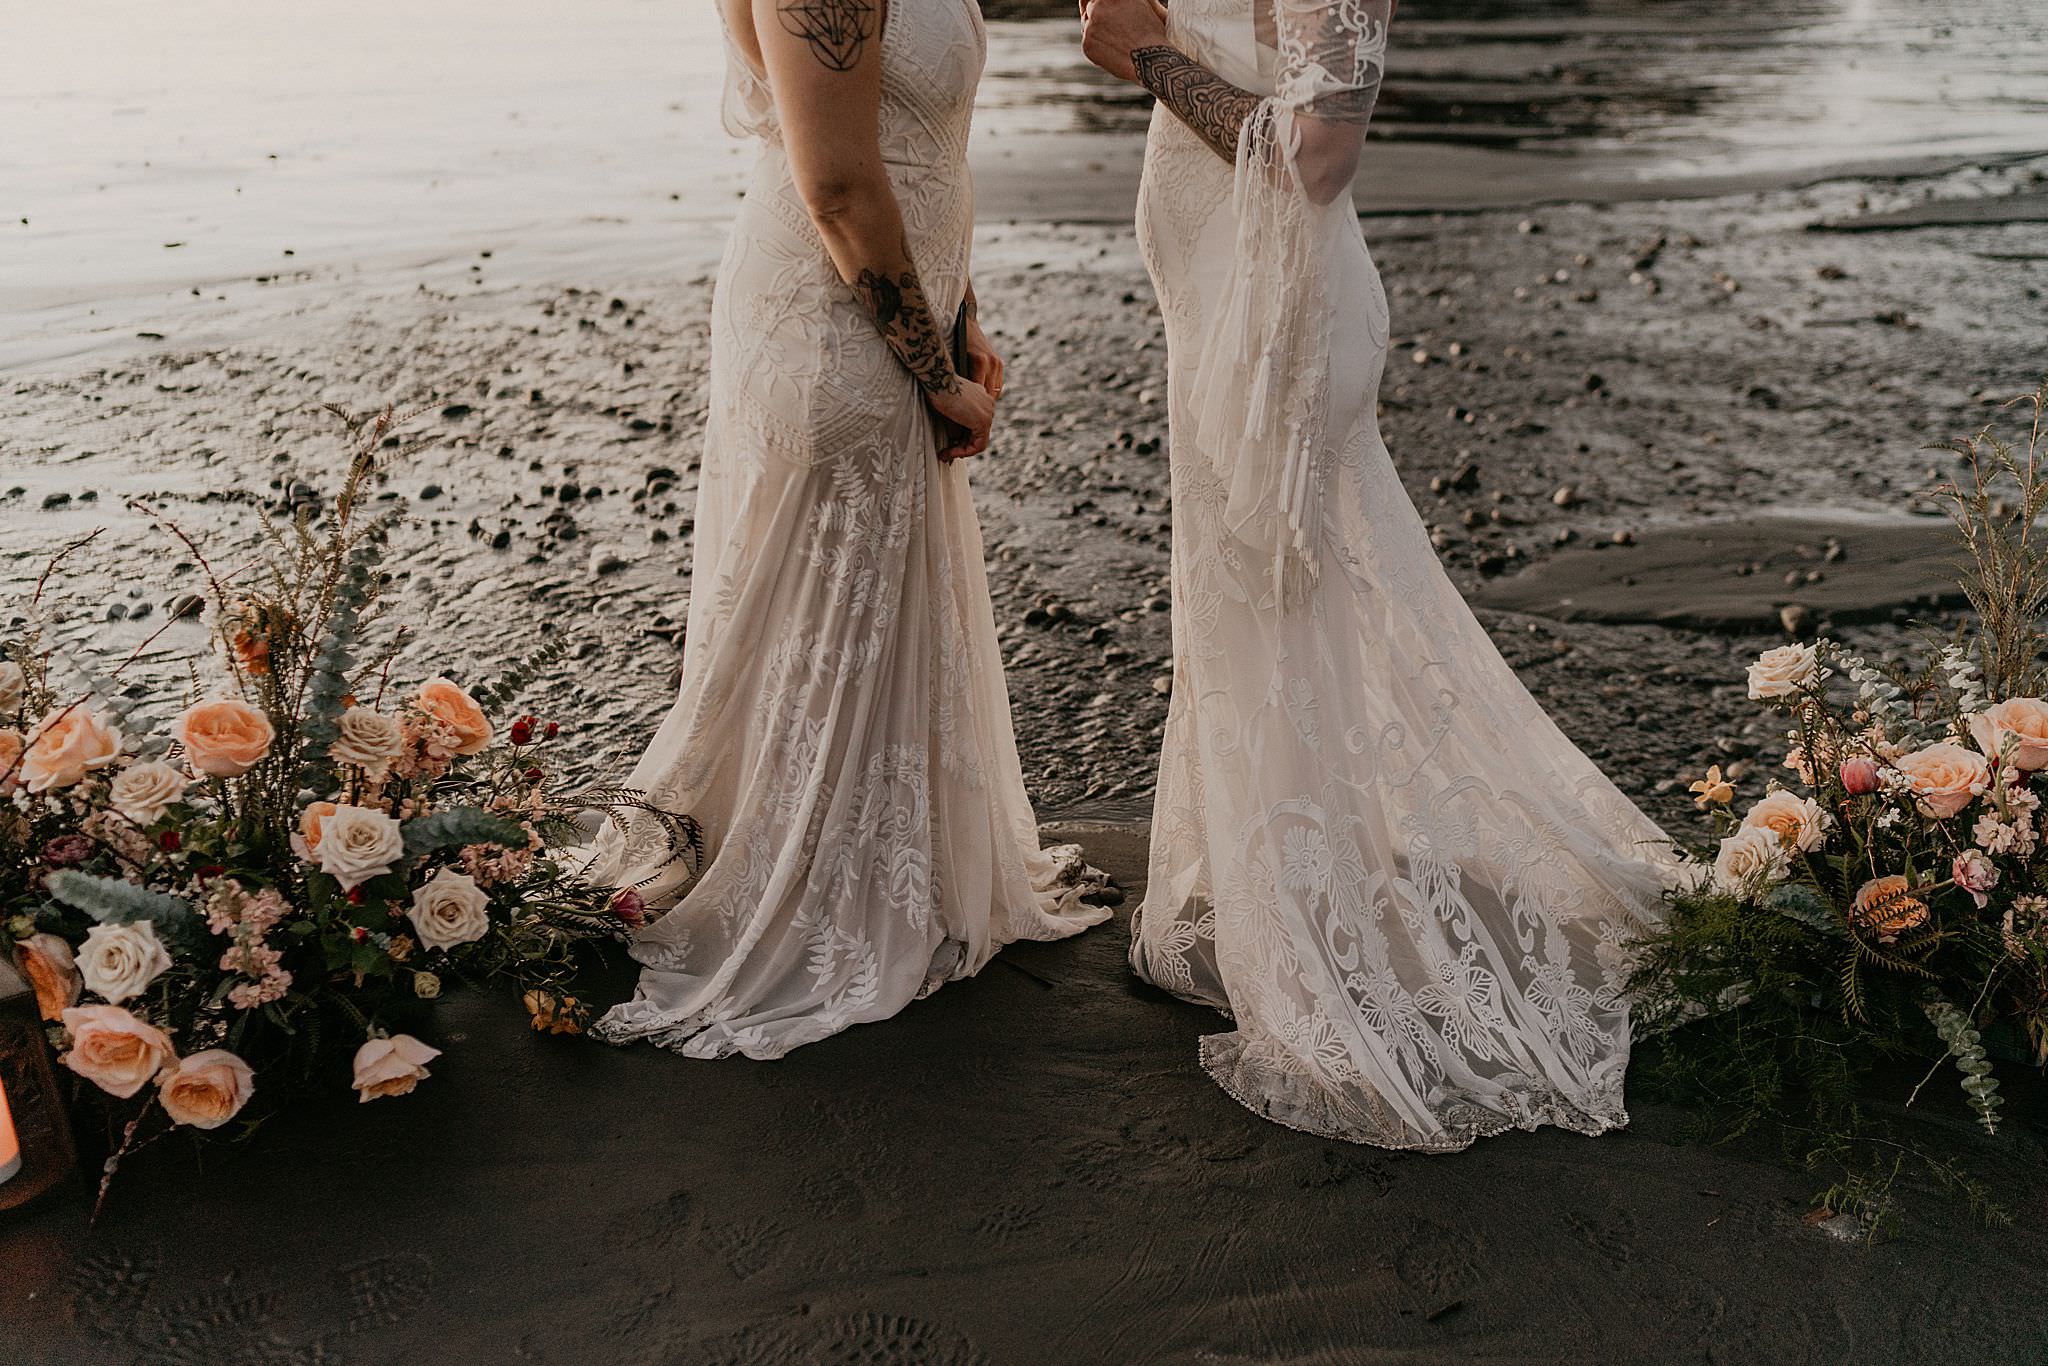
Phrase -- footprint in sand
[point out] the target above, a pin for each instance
(746, 1247)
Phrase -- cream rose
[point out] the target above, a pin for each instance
(392, 1067)
(1797, 821)
(2021, 722)
(13, 683)
(457, 710)
(450, 909)
(306, 839)
(113, 1050)
(224, 737)
(207, 1089)
(65, 746)
(368, 739)
(143, 792)
(120, 961)
(357, 843)
(1750, 856)
(52, 969)
(1783, 671)
(1945, 777)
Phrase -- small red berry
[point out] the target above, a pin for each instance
(534, 775)
(522, 734)
(358, 934)
(170, 841)
(552, 731)
(355, 896)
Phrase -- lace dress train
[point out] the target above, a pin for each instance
(1371, 848)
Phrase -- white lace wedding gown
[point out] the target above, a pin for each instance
(1370, 847)
(843, 731)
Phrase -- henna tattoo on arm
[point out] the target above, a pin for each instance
(1213, 109)
(904, 316)
(836, 30)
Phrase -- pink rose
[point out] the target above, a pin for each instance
(1860, 776)
(113, 1050)
(1975, 874)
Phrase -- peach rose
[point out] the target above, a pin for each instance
(224, 737)
(143, 792)
(10, 760)
(113, 1050)
(306, 840)
(1747, 858)
(1797, 821)
(65, 746)
(1945, 777)
(52, 969)
(2021, 722)
(207, 1089)
(392, 1067)
(457, 710)
(1886, 905)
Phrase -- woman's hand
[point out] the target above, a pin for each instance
(972, 412)
(1111, 30)
(984, 366)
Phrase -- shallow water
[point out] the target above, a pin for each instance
(156, 159)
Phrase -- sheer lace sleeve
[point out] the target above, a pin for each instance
(1263, 382)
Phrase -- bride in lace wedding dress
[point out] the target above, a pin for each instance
(843, 732)
(1371, 848)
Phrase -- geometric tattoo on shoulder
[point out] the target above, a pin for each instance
(837, 30)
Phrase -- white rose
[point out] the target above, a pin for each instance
(358, 843)
(369, 739)
(1797, 821)
(143, 792)
(118, 962)
(12, 685)
(1782, 672)
(450, 910)
(1749, 856)
(392, 1067)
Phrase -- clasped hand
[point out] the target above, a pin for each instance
(1111, 30)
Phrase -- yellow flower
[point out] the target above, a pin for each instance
(1712, 790)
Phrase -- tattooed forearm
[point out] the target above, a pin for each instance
(837, 30)
(1212, 108)
(898, 305)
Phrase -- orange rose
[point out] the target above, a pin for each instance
(65, 746)
(52, 969)
(113, 1050)
(10, 760)
(457, 710)
(306, 843)
(205, 1090)
(224, 737)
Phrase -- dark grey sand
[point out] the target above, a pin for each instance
(1029, 1167)
(1025, 1169)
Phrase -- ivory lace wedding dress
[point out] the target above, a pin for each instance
(843, 732)
(1370, 847)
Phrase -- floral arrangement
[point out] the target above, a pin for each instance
(1887, 897)
(266, 887)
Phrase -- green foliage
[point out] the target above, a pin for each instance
(112, 901)
(334, 662)
(501, 692)
(1966, 1046)
(457, 826)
